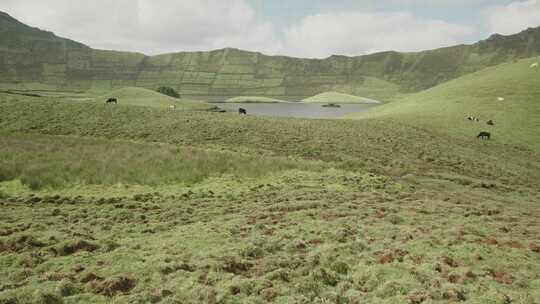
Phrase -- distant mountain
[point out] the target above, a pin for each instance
(34, 59)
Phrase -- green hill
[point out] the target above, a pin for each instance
(148, 98)
(508, 94)
(38, 60)
(336, 97)
(254, 99)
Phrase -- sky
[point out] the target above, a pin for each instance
(299, 28)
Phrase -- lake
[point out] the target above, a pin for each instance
(298, 110)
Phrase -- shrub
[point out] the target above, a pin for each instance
(71, 247)
(41, 297)
(396, 219)
(168, 91)
(340, 267)
(32, 182)
(7, 173)
(66, 288)
(39, 176)
(252, 251)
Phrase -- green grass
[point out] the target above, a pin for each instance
(380, 145)
(371, 87)
(254, 99)
(143, 97)
(446, 107)
(134, 203)
(336, 97)
(138, 204)
(312, 236)
(42, 162)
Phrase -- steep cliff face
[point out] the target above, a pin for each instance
(30, 55)
(34, 59)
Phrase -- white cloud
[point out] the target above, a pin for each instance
(150, 26)
(355, 33)
(155, 27)
(514, 17)
(434, 2)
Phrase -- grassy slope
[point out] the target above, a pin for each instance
(254, 99)
(439, 219)
(446, 107)
(371, 87)
(336, 97)
(143, 97)
(378, 144)
(294, 236)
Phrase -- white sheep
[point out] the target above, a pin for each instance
(500, 98)
(534, 65)
(172, 107)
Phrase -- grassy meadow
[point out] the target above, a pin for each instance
(508, 94)
(140, 204)
(143, 97)
(49, 162)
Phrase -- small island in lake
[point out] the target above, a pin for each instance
(331, 105)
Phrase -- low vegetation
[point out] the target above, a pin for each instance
(140, 204)
(379, 145)
(42, 162)
(299, 235)
(168, 91)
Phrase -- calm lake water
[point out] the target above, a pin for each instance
(299, 110)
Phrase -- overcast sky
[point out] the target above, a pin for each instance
(301, 28)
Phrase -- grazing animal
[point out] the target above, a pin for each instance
(472, 118)
(534, 65)
(242, 111)
(172, 107)
(484, 135)
(112, 100)
(500, 98)
(490, 122)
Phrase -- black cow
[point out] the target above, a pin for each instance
(490, 122)
(112, 100)
(242, 111)
(484, 135)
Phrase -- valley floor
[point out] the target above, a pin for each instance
(144, 205)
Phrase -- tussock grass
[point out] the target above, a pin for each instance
(60, 162)
(288, 236)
